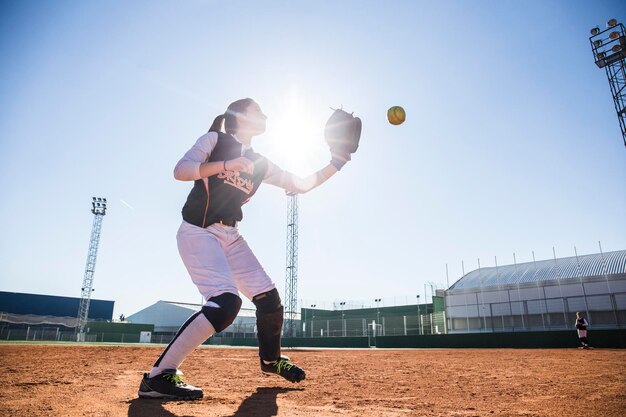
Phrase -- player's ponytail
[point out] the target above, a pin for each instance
(217, 124)
(227, 122)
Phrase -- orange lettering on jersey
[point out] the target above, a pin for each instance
(233, 178)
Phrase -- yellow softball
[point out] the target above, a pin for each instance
(396, 115)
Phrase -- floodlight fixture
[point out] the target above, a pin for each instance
(609, 52)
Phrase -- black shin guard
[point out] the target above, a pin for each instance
(269, 323)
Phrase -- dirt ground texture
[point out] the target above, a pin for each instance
(74, 380)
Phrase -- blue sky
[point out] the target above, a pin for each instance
(511, 142)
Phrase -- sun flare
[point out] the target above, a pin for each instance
(295, 135)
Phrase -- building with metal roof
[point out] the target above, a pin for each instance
(541, 295)
(596, 265)
(20, 310)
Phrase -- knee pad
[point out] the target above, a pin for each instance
(222, 316)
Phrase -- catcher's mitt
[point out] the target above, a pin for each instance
(343, 132)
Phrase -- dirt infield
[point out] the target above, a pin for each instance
(68, 380)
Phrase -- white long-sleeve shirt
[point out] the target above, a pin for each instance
(188, 167)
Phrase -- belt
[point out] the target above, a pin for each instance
(231, 223)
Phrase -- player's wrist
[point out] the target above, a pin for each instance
(339, 159)
(337, 163)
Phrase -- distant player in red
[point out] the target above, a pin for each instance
(581, 329)
(226, 173)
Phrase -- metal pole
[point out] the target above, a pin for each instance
(343, 320)
(419, 328)
(582, 286)
(99, 207)
(538, 291)
(608, 286)
(519, 293)
(431, 323)
(482, 305)
(291, 280)
(467, 310)
(558, 279)
(499, 291)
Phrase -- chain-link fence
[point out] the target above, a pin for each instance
(63, 334)
(404, 325)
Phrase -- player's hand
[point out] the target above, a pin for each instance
(241, 164)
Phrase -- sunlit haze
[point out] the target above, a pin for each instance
(511, 142)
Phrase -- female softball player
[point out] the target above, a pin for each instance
(581, 329)
(226, 174)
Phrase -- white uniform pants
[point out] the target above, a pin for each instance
(219, 260)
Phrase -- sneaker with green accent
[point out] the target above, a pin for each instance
(169, 386)
(285, 368)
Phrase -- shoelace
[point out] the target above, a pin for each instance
(176, 379)
(283, 364)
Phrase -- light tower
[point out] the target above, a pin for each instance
(98, 208)
(291, 280)
(609, 52)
